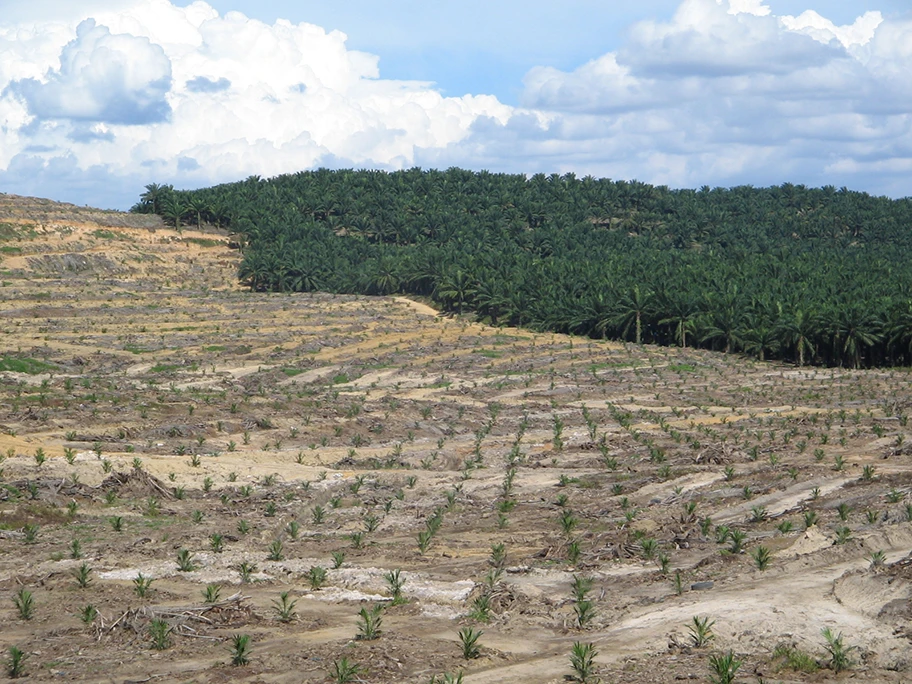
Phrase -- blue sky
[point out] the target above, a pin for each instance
(479, 46)
(100, 97)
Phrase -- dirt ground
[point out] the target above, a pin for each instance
(151, 409)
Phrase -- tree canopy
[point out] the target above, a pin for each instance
(810, 275)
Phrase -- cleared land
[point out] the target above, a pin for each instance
(149, 407)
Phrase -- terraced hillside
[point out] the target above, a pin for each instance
(193, 453)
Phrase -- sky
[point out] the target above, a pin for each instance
(100, 97)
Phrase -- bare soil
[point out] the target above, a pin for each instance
(145, 390)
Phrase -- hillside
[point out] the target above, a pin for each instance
(815, 276)
(157, 421)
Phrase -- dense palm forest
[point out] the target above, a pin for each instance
(820, 276)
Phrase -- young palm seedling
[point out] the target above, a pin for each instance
(285, 607)
(343, 671)
(141, 585)
(160, 631)
(737, 538)
(584, 611)
(30, 533)
(568, 521)
(240, 649)
(75, 549)
(369, 623)
(275, 551)
(877, 559)
(15, 664)
(83, 575)
(837, 651)
(481, 608)
(338, 558)
(701, 631)
(810, 519)
(211, 593)
(317, 577)
(762, 557)
(498, 555)
(25, 604)
(582, 660)
(394, 581)
(468, 640)
(723, 668)
(318, 514)
(185, 561)
(88, 614)
(246, 570)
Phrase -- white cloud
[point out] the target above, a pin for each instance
(102, 77)
(859, 33)
(725, 92)
(220, 97)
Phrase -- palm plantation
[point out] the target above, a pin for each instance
(811, 276)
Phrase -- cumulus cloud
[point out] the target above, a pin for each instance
(728, 92)
(724, 92)
(191, 96)
(102, 77)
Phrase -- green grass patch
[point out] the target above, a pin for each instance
(504, 339)
(204, 242)
(164, 368)
(10, 250)
(488, 353)
(103, 234)
(609, 364)
(340, 379)
(214, 348)
(682, 368)
(794, 659)
(18, 364)
(11, 231)
(291, 372)
(136, 349)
